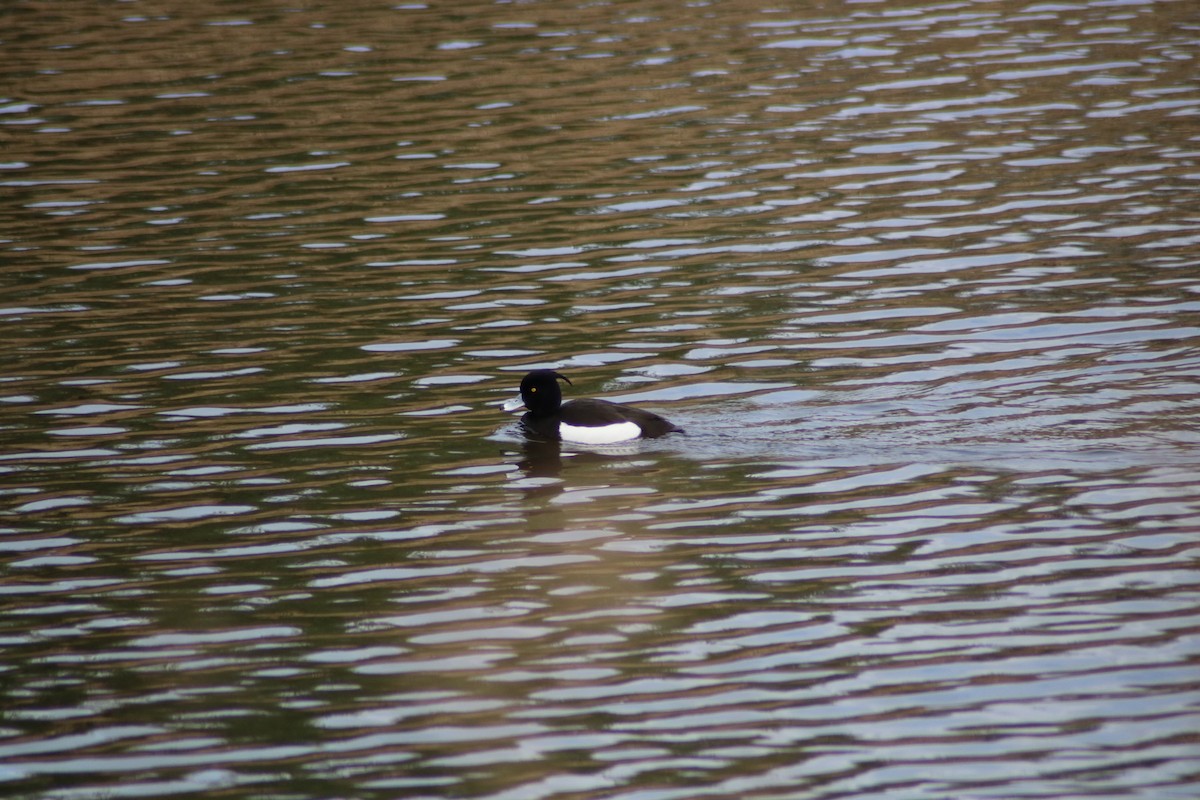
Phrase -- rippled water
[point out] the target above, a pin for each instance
(920, 281)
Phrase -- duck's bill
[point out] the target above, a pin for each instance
(515, 404)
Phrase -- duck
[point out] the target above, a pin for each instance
(585, 421)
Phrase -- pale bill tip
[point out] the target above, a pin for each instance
(514, 404)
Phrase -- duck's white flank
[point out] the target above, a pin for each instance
(599, 434)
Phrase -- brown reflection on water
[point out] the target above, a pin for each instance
(919, 282)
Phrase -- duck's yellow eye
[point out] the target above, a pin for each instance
(532, 389)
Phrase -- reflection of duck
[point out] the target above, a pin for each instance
(541, 459)
(587, 421)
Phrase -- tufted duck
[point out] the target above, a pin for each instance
(582, 421)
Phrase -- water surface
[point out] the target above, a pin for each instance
(921, 282)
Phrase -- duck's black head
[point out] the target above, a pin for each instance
(540, 392)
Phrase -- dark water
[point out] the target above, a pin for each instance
(921, 281)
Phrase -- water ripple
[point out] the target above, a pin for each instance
(919, 283)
